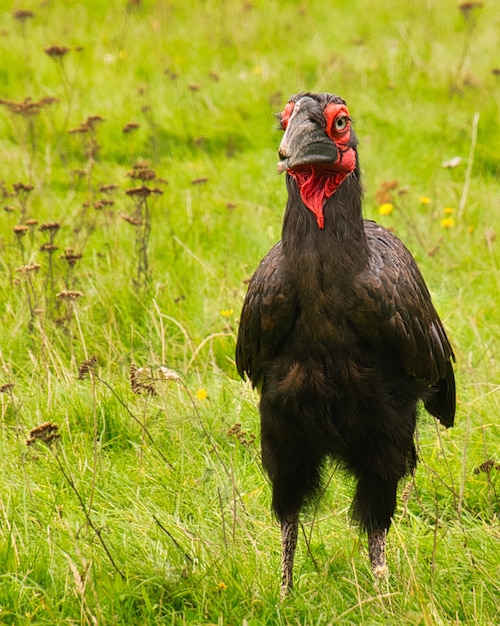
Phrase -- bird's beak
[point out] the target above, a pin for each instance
(305, 142)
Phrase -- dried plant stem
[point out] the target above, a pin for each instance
(136, 419)
(86, 511)
(470, 162)
(211, 441)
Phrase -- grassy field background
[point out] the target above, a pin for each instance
(139, 192)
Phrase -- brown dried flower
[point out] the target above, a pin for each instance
(23, 14)
(56, 52)
(50, 226)
(487, 467)
(48, 432)
(108, 187)
(141, 380)
(22, 187)
(7, 387)
(87, 367)
(131, 219)
(27, 269)
(130, 126)
(71, 257)
(48, 247)
(69, 295)
(142, 171)
(20, 229)
(241, 435)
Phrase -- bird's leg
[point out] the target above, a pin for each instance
(289, 532)
(376, 550)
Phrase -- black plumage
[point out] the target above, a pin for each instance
(339, 334)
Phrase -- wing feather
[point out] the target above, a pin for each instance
(267, 315)
(392, 307)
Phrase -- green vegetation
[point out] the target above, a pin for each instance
(139, 192)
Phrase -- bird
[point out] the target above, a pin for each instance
(339, 335)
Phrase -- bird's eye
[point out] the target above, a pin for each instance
(341, 122)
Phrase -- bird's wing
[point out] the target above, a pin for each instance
(266, 317)
(392, 309)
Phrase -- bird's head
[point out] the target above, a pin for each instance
(318, 148)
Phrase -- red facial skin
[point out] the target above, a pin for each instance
(317, 182)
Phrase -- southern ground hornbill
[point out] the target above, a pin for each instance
(339, 335)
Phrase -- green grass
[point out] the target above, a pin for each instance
(153, 509)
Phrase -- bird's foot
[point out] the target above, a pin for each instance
(376, 550)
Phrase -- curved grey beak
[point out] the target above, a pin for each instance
(305, 141)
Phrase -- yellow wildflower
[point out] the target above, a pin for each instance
(227, 312)
(222, 586)
(447, 222)
(425, 200)
(202, 394)
(448, 210)
(386, 208)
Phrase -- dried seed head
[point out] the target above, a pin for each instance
(47, 432)
(23, 14)
(7, 387)
(130, 219)
(142, 171)
(467, 7)
(20, 230)
(50, 226)
(101, 204)
(142, 192)
(48, 100)
(141, 380)
(31, 222)
(71, 257)
(129, 127)
(241, 435)
(83, 128)
(108, 187)
(48, 247)
(87, 367)
(8, 208)
(56, 52)
(69, 296)
(487, 467)
(92, 120)
(22, 187)
(27, 269)
(199, 181)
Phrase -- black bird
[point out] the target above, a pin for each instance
(339, 335)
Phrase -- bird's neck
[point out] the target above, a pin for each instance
(342, 240)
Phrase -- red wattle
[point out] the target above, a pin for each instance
(315, 187)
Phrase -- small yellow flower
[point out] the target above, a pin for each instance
(257, 70)
(425, 200)
(447, 222)
(448, 210)
(227, 312)
(202, 394)
(222, 586)
(386, 208)
(470, 229)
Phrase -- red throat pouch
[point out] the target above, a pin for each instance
(316, 186)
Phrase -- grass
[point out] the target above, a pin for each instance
(147, 503)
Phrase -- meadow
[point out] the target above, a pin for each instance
(138, 193)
